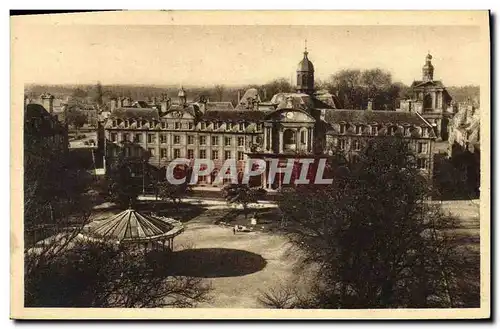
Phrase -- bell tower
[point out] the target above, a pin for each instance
(305, 74)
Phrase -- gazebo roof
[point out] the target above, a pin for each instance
(132, 226)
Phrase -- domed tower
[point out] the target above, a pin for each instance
(428, 69)
(305, 75)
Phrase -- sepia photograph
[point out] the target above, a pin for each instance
(171, 165)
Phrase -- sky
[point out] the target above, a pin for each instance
(238, 55)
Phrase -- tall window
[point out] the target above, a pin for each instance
(138, 138)
(177, 153)
(215, 140)
(227, 155)
(241, 141)
(113, 137)
(177, 139)
(422, 147)
(227, 141)
(375, 130)
(303, 136)
(203, 154)
(357, 145)
(163, 152)
(151, 152)
(190, 153)
(342, 144)
(241, 156)
(125, 137)
(163, 138)
(190, 140)
(215, 155)
(421, 163)
(151, 138)
(203, 140)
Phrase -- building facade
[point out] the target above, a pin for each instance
(291, 125)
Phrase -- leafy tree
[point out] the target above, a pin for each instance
(242, 194)
(101, 274)
(123, 187)
(76, 118)
(377, 241)
(173, 192)
(355, 87)
(276, 86)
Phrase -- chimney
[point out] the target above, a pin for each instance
(112, 105)
(370, 105)
(48, 102)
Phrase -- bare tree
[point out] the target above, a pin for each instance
(219, 92)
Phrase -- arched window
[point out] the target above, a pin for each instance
(288, 137)
(427, 101)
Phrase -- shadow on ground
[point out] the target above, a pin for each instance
(211, 262)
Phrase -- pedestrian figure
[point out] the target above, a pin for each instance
(234, 230)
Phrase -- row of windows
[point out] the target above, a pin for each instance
(229, 126)
(421, 147)
(421, 162)
(374, 129)
(202, 154)
(151, 138)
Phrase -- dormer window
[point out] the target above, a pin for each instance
(164, 125)
(425, 132)
(407, 131)
(393, 130)
(127, 123)
(375, 130)
(343, 128)
(177, 125)
(229, 126)
(216, 125)
(203, 125)
(241, 126)
(114, 123)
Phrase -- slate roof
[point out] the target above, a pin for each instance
(434, 83)
(235, 115)
(370, 117)
(135, 112)
(228, 106)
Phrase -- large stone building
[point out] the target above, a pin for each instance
(431, 100)
(290, 125)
